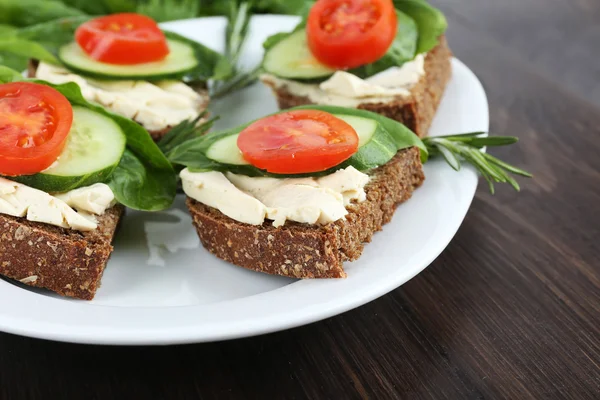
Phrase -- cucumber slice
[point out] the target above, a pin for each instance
(93, 150)
(180, 60)
(291, 58)
(226, 151)
(375, 146)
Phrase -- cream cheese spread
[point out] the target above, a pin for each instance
(251, 200)
(155, 106)
(20, 200)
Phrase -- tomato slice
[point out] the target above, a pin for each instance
(350, 33)
(35, 121)
(123, 39)
(297, 142)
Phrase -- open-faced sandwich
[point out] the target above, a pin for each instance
(299, 192)
(389, 57)
(125, 63)
(67, 169)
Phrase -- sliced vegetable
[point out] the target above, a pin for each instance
(144, 179)
(350, 33)
(180, 60)
(291, 58)
(219, 151)
(93, 150)
(403, 48)
(34, 123)
(122, 39)
(297, 142)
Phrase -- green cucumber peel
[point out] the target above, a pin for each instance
(144, 179)
(392, 136)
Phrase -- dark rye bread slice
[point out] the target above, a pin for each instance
(311, 251)
(416, 111)
(65, 261)
(157, 134)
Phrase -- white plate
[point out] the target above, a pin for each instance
(162, 287)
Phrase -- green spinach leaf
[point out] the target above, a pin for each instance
(30, 12)
(9, 75)
(27, 48)
(431, 22)
(144, 179)
(40, 41)
(192, 153)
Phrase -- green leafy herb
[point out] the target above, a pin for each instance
(392, 136)
(236, 32)
(467, 147)
(9, 75)
(185, 131)
(40, 41)
(169, 10)
(430, 21)
(144, 179)
(294, 7)
(27, 48)
(31, 12)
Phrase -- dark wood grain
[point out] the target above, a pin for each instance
(511, 309)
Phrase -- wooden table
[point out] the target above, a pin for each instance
(511, 309)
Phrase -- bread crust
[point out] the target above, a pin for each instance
(156, 135)
(311, 251)
(417, 110)
(68, 262)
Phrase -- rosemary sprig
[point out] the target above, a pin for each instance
(466, 148)
(185, 131)
(236, 33)
(238, 82)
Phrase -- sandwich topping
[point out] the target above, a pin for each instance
(154, 105)
(348, 52)
(20, 200)
(64, 160)
(306, 165)
(251, 200)
(346, 89)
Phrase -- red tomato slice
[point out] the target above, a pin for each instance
(35, 121)
(297, 142)
(350, 33)
(124, 39)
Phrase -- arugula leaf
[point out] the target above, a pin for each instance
(144, 179)
(403, 48)
(431, 22)
(9, 75)
(30, 12)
